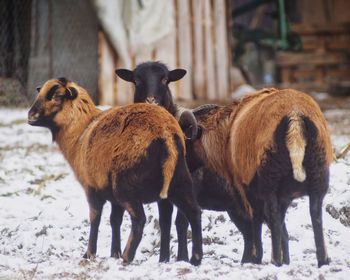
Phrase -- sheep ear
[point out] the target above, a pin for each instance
(125, 74)
(71, 93)
(189, 125)
(176, 74)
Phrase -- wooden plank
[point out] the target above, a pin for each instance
(313, 12)
(184, 42)
(166, 52)
(106, 71)
(199, 71)
(143, 55)
(285, 59)
(341, 10)
(209, 58)
(342, 73)
(304, 86)
(320, 28)
(285, 74)
(124, 91)
(221, 50)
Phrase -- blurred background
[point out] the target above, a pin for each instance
(227, 46)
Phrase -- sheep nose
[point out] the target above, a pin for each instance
(33, 115)
(151, 100)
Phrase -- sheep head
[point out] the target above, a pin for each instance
(48, 108)
(195, 155)
(151, 80)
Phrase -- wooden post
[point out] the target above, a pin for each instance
(123, 90)
(106, 79)
(184, 41)
(198, 73)
(221, 65)
(210, 74)
(143, 56)
(166, 52)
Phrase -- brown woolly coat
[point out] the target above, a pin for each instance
(99, 144)
(236, 137)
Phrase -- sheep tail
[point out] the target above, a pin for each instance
(169, 166)
(246, 205)
(295, 142)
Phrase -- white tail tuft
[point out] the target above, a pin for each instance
(163, 194)
(296, 147)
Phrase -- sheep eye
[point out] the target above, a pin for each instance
(165, 81)
(51, 92)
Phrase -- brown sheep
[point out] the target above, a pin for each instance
(272, 146)
(127, 155)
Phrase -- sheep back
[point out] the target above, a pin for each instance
(118, 139)
(256, 119)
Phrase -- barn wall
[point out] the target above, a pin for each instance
(64, 42)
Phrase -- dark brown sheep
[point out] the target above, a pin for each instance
(127, 155)
(273, 146)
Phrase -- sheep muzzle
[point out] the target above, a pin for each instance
(152, 100)
(189, 125)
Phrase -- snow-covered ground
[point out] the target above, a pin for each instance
(44, 223)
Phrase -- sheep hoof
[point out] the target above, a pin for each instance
(324, 262)
(163, 259)
(286, 261)
(196, 260)
(127, 259)
(182, 258)
(116, 255)
(276, 263)
(126, 262)
(251, 259)
(89, 255)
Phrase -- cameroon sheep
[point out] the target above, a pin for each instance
(127, 155)
(213, 192)
(274, 146)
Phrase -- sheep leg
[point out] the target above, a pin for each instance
(246, 228)
(257, 227)
(181, 229)
(186, 202)
(138, 220)
(165, 209)
(116, 220)
(316, 200)
(285, 237)
(285, 244)
(96, 206)
(272, 211)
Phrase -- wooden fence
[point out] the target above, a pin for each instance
(199, 44)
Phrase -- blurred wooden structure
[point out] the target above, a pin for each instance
(199, 45)
(324, 29)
